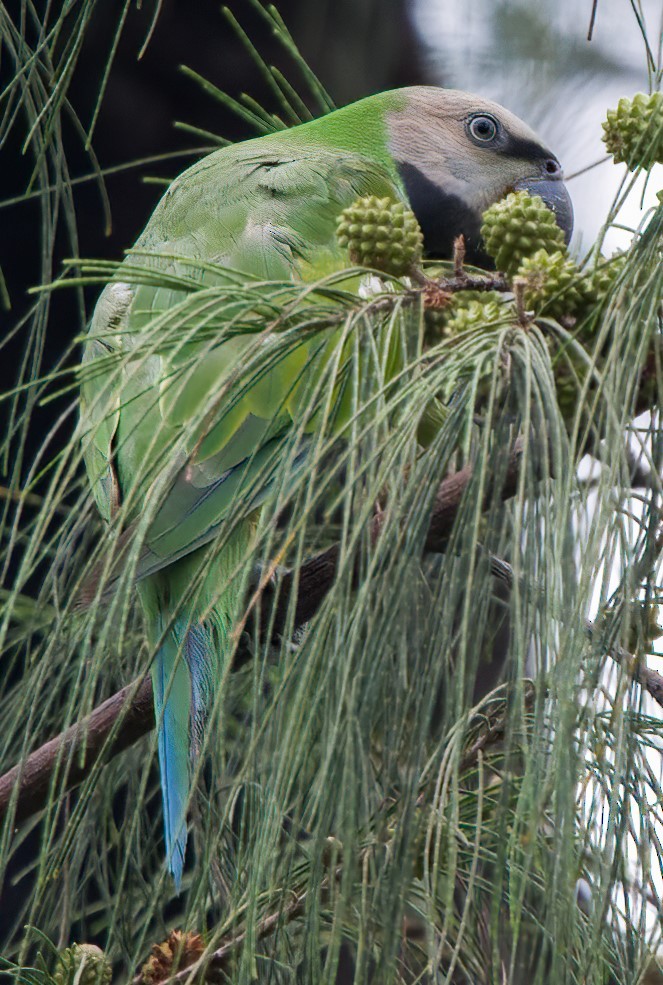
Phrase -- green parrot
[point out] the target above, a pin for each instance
(265, 209)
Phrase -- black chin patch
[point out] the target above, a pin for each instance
(442, 217)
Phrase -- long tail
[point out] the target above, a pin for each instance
(180, 687)
(186, 672)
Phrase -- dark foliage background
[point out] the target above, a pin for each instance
(469, 842)
(355, 47)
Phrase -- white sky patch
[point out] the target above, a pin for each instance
(533, 57)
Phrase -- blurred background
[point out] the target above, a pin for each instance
(534, 56)
(126, 93)
(531, 55)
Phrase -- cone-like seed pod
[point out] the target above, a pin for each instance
(462, 299)
(516, 227)
(475, 315)
(87, 961)
(437, 318)
(633, 133)
(553, 285)
(570, 370)
(180, 950)
(600, 279)
(381, 233)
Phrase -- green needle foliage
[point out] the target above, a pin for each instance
(442, 776)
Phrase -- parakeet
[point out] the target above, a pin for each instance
(267, 209)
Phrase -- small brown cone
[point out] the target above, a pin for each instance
(179, 951)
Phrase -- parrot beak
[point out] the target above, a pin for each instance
(556, 197)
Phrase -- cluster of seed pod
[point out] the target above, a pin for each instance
(633, 133)
(381, 233)
(85, 964)
(520, 233)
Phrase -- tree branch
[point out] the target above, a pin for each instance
(128, 715)
(27, 784)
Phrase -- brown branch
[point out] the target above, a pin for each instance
(128, 715)
(462, 281)
(649, 680)
(27, 784)
(25, 788)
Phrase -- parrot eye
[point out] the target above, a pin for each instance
(483, 129)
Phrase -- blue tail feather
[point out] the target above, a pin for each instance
(187, 670)
(198, 651)
(181, 691)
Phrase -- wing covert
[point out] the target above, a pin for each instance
(259, 208)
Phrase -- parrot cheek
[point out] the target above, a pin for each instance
(443, 215)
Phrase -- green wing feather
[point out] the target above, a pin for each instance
(264, 208)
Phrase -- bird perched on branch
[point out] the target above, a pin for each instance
(170, 426)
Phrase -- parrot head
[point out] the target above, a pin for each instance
(457, 154)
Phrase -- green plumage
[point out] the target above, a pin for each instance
(187, 408)
(266, 209)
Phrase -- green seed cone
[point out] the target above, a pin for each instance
(483, 316)
(473, 315)
(465, 314)
(601, 278)
(87, 961)
(437, 319)
(596, 285)
(554, 285)
(462, 299)
(633, 133)
(381, 233)
(517, 227)
(570, 370)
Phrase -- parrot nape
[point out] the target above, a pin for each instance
(266, 209)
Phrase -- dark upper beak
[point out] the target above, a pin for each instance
(553, 192)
